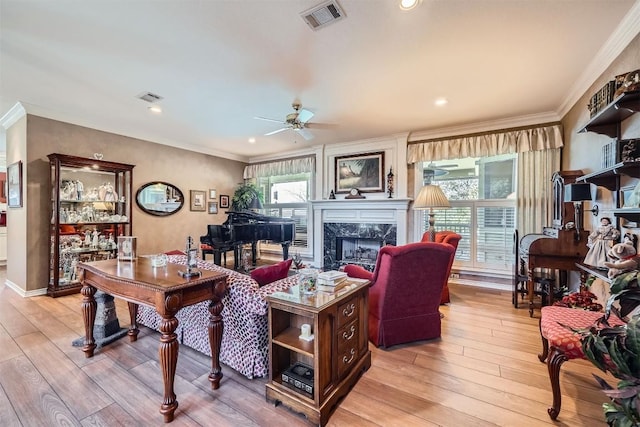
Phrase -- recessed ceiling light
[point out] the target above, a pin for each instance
(155, 109)
(408, 4)
(440, 102)
(252, 140)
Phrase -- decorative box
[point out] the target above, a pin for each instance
(629, 150)
(299, 377)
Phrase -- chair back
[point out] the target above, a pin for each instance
(408, 280)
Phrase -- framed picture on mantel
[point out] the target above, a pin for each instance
(361, 171)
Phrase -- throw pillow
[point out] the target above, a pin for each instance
(175, 252)
(271, 273)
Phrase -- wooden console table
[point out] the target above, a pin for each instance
(163, 288)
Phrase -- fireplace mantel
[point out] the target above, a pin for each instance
(376, 211)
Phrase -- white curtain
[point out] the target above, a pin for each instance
(485, 145)
(535, 189)
(280, 167)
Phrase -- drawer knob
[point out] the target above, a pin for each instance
(349, 336)
(349, 310)
(349, 360)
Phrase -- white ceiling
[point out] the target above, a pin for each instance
(375, 73)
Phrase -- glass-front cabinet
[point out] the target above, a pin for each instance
(90, 207)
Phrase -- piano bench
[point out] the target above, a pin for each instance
(560, 344)
(217, 252)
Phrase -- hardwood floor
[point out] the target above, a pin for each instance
(483, 371)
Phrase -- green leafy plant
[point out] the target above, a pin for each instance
(245, 195)
(616, 349)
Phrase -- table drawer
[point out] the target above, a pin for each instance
(348, 336)
(347, 312)
(347, 358)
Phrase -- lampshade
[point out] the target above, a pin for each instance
(431, 196)
(577, 192)
(255, 203)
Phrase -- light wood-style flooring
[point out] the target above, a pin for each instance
(483, 371)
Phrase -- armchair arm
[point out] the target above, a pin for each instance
(358, 272)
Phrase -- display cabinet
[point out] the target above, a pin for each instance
(90, 207)
(310, 376)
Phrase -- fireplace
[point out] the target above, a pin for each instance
(353, 231)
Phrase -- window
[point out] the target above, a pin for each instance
(482, 196)
(287, 196)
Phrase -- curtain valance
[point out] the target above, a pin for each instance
(281, 167)
(487, 144)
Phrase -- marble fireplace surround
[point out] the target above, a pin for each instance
(385, 219)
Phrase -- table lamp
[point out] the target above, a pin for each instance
(430, 197)
(578, 193)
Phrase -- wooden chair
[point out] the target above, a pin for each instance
(544, 282)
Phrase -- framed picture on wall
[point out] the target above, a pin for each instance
(224, 201)
(14, 185)
(212, 207)
(361, 171)
(212, 194)
(197, 200)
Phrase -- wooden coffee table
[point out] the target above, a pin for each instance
(163, 288)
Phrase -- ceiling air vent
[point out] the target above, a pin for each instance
(150, 97)
(323, 15)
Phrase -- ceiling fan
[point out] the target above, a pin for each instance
(297, 121)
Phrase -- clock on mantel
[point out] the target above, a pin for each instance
(354, 193)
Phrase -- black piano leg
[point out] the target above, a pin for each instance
(254, 253)
(285, 251)
(216, 257)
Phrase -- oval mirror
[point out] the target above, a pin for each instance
(159, 198)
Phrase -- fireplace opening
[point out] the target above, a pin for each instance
(356, 250)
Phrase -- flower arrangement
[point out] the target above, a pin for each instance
(583, 299)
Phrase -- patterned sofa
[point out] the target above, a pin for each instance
(244, 338)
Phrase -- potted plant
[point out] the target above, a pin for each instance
(616, 349)
(245, 197)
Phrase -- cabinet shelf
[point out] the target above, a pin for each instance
(290, 339)
(608, 178)
(80, 224)
(607, 121)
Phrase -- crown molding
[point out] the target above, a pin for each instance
(626, 31)
(14, 114)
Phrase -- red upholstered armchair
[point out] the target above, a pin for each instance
(451, 238)
(405, 292)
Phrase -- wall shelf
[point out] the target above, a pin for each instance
(609, 177)
(607, 121)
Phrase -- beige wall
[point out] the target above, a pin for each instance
(582, 150)
(153, 162)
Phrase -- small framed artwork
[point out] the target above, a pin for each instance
(212, 207)
(362, 171)
(212, 194)
(14, 185)
(224, 201)
(630, 196)
(197, 200)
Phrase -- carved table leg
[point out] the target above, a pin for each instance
(89, 315)
(216, 327)
(168, 356)
(133, 329)
(531, 288)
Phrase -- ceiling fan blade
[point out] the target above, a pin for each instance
(304, 115)
(268, 120)
(273, 132)
(324, 126)
(305, 133)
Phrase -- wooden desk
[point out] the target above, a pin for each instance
(163, 288)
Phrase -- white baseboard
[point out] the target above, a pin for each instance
(481, 284)
(24, 294)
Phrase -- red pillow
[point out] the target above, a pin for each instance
(271, 273)
(175, 252)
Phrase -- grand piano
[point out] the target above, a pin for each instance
(556, 247)
(247, 227)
